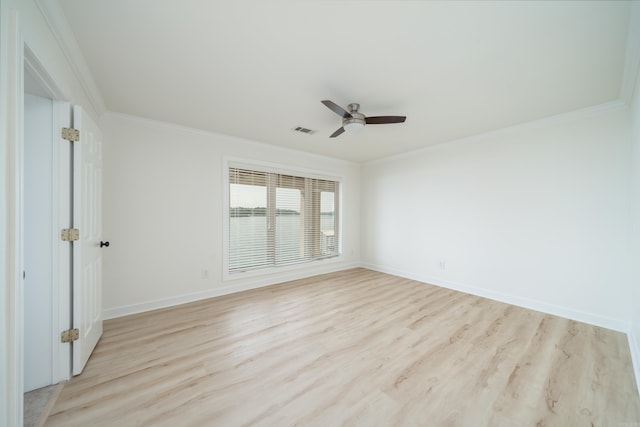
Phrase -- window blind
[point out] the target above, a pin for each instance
(279, 219)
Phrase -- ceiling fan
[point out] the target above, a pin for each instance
(354, 120)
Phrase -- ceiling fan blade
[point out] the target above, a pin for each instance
(337, 109)
(337, 133)
(381, 120)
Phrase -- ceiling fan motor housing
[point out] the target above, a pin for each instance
(356, 121)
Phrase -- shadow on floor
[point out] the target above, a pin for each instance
(35, 403)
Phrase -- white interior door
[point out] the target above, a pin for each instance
(87, 252)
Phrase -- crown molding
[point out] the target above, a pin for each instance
(632, 56)
(557, 119)
(65, 38)
(159, 124)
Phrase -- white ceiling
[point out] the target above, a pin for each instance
(257, 69)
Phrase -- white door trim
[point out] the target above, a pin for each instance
(14, 87)
(39, 72)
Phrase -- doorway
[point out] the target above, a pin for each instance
(39, 251)
(46, 208)
(46, 286)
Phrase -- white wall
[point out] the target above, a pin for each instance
(163, 212)
(537, 216)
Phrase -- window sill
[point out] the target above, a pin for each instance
(281, 270)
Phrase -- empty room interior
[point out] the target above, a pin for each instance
(393, 213)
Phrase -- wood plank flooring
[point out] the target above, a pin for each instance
(352, 348)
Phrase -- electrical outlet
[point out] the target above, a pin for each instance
(205, 274)
(443, 266)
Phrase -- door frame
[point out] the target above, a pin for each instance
(60, 216)
(21, 58)
(13, 83)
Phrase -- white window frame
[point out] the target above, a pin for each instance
(234, 162)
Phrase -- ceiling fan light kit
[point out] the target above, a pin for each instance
(353, 120)
(356, 121)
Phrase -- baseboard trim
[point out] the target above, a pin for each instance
(581, 316)
(555, 310)
(227, 288)
(635, 354)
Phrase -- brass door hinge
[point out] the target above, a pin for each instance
(70, 335)
(69, 234)
(70, 134)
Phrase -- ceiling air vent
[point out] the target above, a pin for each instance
(304, 130)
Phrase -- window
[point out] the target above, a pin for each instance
(279, 219)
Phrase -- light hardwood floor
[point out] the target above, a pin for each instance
(352, 348)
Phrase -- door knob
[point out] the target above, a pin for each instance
(104, 244)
